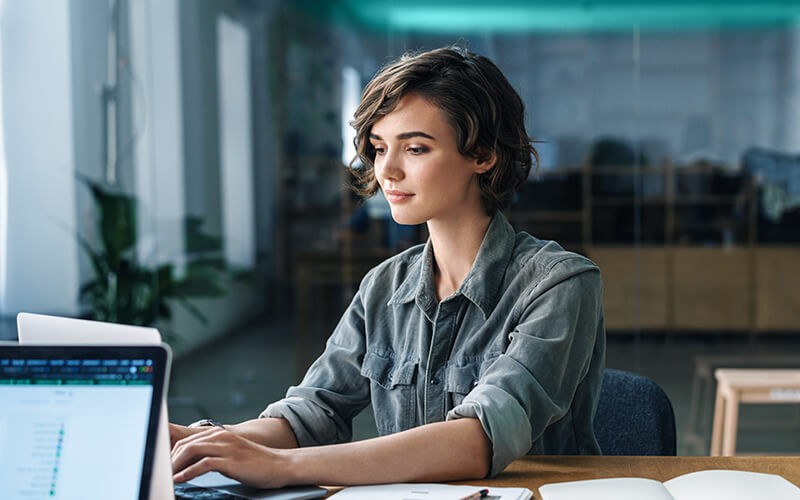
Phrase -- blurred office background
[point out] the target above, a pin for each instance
(181, 163)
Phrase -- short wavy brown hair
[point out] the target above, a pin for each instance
(481, 105)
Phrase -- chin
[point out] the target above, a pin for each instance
(406, 219)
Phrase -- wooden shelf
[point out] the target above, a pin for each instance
(624, 201)
(547, 216)
(675, 286)
(665, 284)
(705, 200)
(776, 288)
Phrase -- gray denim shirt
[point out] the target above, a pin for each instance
(519, 346)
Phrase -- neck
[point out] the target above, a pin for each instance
(455, 247)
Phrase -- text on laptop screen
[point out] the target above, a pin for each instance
(74, 427)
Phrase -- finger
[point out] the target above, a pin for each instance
(231, 455)
(197, 434)
(176, 433)
(245, 471)
(194, 448)
(206, 464)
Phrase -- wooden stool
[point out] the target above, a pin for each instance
(735, 386)
(697, 431)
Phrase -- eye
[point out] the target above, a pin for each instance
(379, 150)
(417, 150)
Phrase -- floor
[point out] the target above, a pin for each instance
(234, 378)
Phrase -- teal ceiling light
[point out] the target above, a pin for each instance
(449, 16)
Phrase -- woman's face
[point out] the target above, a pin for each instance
(419, 168)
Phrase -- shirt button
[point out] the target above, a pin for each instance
(434, 381)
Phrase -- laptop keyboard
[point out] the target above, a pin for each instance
(186, 491)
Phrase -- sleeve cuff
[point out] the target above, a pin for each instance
(307, 421)
(504, 421)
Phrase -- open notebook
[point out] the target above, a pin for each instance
(430, 491)
(702, 485)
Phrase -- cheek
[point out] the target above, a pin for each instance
(377, 170)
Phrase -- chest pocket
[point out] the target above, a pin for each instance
(463, 376)
(460, 380)
(393, 391)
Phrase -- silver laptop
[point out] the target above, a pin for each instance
(40, 328)
(79, 421)
(37, 329)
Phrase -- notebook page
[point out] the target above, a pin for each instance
(429, 491)
(731, 485)
(620, 488)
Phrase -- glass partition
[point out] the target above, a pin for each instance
(669, 155)
(183, 163)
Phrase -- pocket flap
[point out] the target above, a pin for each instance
(462, 378)
(388, 372)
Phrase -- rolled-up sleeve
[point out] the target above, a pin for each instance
(533, 384)
(321, 408)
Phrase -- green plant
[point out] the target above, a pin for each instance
(123, 290)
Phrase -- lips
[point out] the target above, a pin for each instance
(394, 196)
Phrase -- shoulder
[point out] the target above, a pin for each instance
(395, 269)
(545, 260)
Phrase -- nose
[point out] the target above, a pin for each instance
(389, 167)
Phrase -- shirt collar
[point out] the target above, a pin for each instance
(482, 282)
(418, 283)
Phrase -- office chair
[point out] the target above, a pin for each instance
(634, 416)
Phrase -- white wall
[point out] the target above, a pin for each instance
(158, 122)
(236, 143)
(41, 269)
(3, 183)
(792, 109)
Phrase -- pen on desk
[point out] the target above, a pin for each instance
(477, 495)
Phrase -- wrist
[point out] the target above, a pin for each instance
(206, 422)
(271, 432)
(289, 466)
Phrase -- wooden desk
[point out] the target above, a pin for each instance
(534, 471)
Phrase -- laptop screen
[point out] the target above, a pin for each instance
(78, 421)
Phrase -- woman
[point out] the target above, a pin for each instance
(474, 349)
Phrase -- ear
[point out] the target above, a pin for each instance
(485, 162)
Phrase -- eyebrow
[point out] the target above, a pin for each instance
(405, 135)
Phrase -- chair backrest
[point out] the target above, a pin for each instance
(634, 416)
